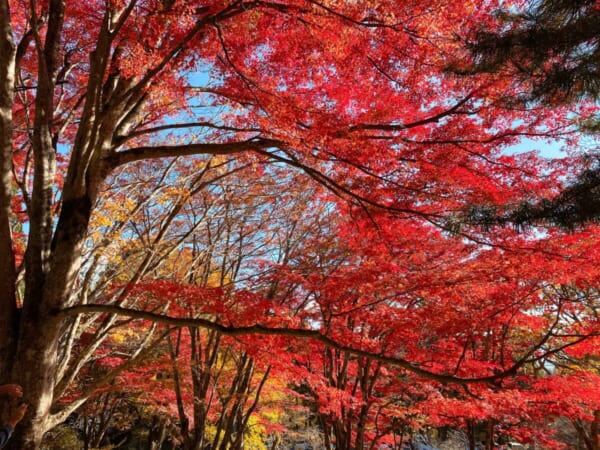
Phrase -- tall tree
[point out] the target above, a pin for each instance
(352, 94)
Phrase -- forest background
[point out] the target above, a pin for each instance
(222, 222)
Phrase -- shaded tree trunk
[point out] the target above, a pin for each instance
(8, 327)
(595, 430)
(471, 435)
(157, 433)
(590, 437)
(489, 435)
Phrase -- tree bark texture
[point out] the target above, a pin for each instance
(7, 258)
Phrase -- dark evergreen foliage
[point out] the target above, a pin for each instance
(574, 206)
(554, 45)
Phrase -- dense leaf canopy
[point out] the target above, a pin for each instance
(223, 201)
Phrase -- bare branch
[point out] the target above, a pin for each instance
(175, 126)
(456, 109)
(291, 332)
(166, 151)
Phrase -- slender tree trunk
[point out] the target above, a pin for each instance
(471, 435)
(595, 430)
(183, 419)
(8, 329)
(158, 434)
(489, 436)
(326, 432)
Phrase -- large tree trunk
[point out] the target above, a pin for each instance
(42, 325)
(35, 369)
(53, 253)
(47, 283)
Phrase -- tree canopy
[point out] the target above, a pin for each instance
(223, 201)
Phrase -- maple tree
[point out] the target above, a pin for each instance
(153, 231)
(352, 95)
